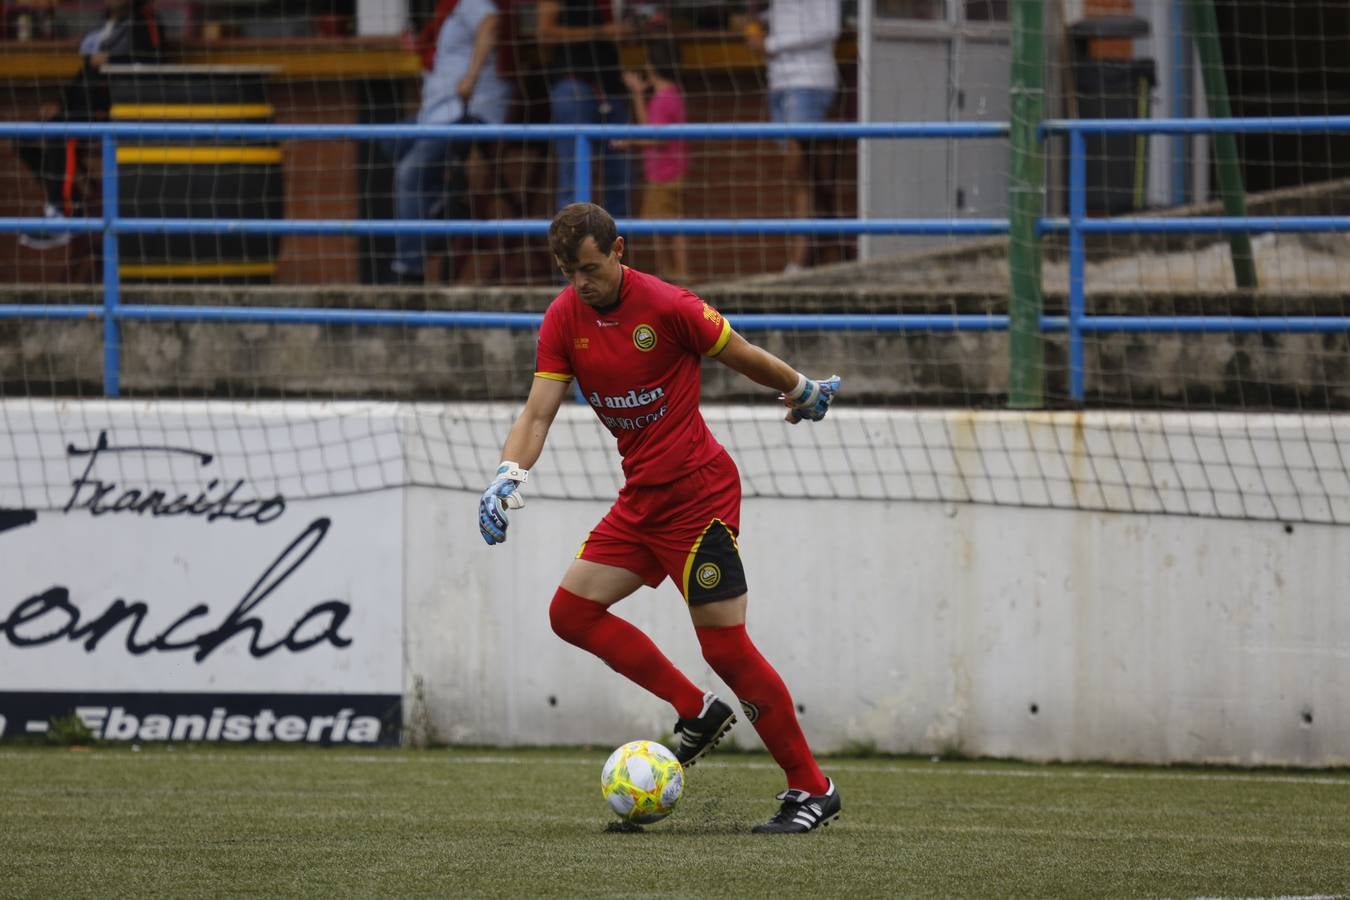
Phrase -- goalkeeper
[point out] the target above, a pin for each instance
(634, 345)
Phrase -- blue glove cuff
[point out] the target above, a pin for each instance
(513, 471)
(806, 393)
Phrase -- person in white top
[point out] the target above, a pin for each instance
(463, 87)
(803, 78)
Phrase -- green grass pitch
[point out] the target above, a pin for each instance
(200, 821)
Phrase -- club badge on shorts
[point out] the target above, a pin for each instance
(714, 570)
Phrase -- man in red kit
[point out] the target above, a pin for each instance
(634, 344)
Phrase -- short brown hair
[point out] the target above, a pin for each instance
(576, 222)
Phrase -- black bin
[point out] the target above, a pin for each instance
(216, 178)
(1113, 89)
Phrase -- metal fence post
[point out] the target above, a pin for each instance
(1026, 204)
(1077, 261)
(582, 188)
(112, 348)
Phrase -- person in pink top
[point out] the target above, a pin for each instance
(664, 163)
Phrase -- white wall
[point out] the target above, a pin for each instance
(926, 628)
(922, 627)
(913, 624)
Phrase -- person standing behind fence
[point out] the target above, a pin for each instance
(664, 163)
(585, 87)
(803, 78)
(463, 87)
(129, 34)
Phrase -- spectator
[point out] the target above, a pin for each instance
(664, 163)
(585, 87)
(129, 34)
(803, 78)
(463, 87)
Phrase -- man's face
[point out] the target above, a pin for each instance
(595, 275)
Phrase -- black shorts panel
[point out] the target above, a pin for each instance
(714, 571)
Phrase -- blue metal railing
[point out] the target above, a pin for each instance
(112, 224)
(1077, 225)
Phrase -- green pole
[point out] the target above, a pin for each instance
(1026, 200)
(1205, 26)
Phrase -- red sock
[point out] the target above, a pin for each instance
(624, 648)
(735, 659)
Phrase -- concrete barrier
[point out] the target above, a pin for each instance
(1273, 371)
(1034, 589)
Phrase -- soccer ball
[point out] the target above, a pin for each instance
(642, 781)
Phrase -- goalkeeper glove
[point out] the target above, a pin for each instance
(810, 399)
(501, 495)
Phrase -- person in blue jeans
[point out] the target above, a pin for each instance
(586, 87)
(462, 88)
(803, 77)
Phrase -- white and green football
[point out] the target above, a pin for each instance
(642, 781)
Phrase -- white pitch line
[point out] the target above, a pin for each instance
(946, 769)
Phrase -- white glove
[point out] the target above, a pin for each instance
(501, 495)
(810, 399)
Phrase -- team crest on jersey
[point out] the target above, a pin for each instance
(644, 337)
(708, 575)
(712, 315)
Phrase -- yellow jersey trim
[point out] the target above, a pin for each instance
(721, 341)
(553, 376)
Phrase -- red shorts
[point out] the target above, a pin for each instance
(685, 530)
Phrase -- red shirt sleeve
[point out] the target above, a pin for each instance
(697, 325)
(553, 356)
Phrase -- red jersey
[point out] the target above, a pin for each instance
(638, 365)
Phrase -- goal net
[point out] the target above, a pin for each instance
(1221, 421)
